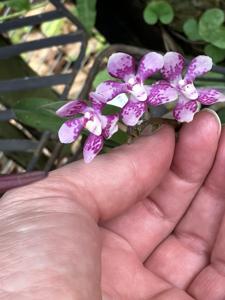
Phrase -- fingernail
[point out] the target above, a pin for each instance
(215, 115)
(151, 129)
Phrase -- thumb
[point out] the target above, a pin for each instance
(114, 181)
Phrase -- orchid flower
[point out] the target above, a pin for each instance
(122, 66)
(100, 127)
(189, 97)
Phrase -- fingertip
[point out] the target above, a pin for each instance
(214, 118)
(197, 145)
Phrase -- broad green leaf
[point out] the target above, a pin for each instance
(86, 10)
(158, 10)
(18, 4)
(30, 112)
(52, 28)
(32, 103)
(54, 106)
(190, 28)
(100, 77)
(217, 54)
(39, 119)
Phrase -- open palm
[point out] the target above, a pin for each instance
(143, 222)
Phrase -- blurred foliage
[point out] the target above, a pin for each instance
(52, 28)
(158, 11)
(16, 5)
(86, 12)
(200, 22)
(210, 28)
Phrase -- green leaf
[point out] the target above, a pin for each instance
(30, 112)
(150, 16)
(217, 37)
(120, 137)
(32, 103)
(190, 28)
(158, 10)
(212, 19)
(52, 28)
(18, 5)
(217, 54)
(53, 107)
(39, 119)
(100, 77)
(86, 10)
(221, 114)
(210, 24)
(110, 109)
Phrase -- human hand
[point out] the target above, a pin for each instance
(128, 226)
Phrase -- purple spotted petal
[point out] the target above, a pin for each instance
(92, 147)
(184, 112)
(132, 112)
(71, 108)
(70, 130)
(209, 96)
(108, 90)
(110, 125)
(160, 93)
(198, 67)
(121, 65)
(151, 63)
(96, 101)
(173, 66)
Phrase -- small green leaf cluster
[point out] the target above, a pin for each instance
(211, 29)
(158, 10)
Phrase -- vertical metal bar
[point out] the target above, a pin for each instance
(38, 151)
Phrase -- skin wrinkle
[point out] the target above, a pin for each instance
(171, 289)
(219, 266)
(193, 242)
(79, 186)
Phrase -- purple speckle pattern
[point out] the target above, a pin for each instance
(92, 147)
(149, 64)
(110, 126)
(71, 108)
(121, 65)
(132, 112)
(210, 96)
(198, 67)
(70, 130)
(96, 100)
(110, 89)
(161, 93)
(184, 112)
(173, 66)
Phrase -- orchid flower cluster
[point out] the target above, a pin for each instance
(175, 86)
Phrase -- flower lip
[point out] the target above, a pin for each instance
(188, 89)
(139, 92)
(92, 123)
